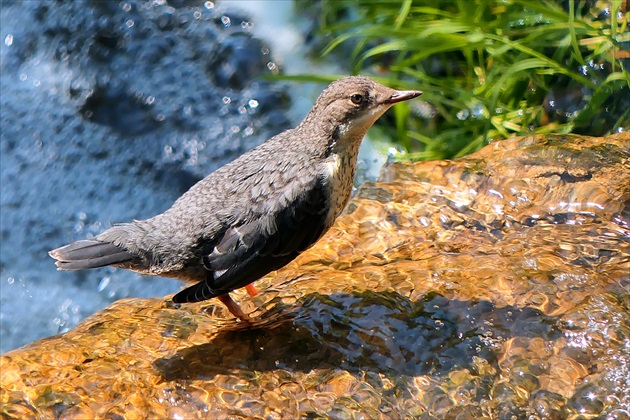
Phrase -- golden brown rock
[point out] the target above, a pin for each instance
(491, 286)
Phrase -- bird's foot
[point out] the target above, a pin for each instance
(234, 308)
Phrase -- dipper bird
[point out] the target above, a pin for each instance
(255, 214)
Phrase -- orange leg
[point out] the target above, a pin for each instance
(251, 290)
(233, 307)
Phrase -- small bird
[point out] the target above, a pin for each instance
(255, 214)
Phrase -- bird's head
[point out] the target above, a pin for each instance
(348, 107)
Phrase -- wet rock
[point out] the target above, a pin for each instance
(491, 286)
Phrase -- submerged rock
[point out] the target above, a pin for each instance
(495, 285)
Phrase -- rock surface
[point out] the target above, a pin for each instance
(492, 286)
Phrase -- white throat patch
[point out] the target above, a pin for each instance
(355, 129)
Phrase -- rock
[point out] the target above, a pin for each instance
(492, 285)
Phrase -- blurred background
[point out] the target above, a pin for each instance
(110, 110)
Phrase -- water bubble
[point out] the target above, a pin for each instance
(423, 109)
(463, 115)
(477, 110)
(78, 227)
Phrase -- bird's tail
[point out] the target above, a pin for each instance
(197, 293)
(86, 254)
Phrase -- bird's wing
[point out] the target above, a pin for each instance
(250, 250)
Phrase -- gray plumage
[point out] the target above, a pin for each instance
(255, 214)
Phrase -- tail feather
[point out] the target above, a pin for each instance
(197, 293)
(86, 254)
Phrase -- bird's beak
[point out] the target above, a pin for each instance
(402, 95)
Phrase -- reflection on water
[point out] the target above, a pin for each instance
(494, 286)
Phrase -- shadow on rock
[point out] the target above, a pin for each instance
(363, 331)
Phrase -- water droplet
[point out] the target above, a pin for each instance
(477, 110)
(103, 284)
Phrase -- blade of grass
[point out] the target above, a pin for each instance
(402, 15)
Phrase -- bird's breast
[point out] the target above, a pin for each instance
(339, 170)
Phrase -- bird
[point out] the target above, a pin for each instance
(255, 214)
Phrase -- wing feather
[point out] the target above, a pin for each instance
(248, 251)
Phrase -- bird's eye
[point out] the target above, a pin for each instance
(356, 99)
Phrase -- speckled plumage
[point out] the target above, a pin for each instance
(257, 213)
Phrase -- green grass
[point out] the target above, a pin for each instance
(489, 68)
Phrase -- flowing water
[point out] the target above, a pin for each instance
(493, 286)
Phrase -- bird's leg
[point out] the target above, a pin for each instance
(233, 307)
(251, 290)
